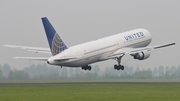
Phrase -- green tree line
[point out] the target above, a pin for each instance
(44, 72)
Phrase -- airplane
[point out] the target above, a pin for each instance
(134, 43)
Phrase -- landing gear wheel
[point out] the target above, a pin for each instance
(115, 66)
(118, 67)
(89, 67)
(122, 67)
(86, 67)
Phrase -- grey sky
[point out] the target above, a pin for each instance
(78, 21)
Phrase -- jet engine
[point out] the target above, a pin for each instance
(142, 55)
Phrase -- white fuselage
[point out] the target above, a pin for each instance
(99, 50)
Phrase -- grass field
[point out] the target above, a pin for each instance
(130, 92)
(89, 80)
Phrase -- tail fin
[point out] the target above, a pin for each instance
(56, 44)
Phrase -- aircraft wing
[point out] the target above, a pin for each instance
(124, 51)
(32, 58)
(31, 49)
(45, 58)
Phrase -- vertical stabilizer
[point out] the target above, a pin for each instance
(56, 44)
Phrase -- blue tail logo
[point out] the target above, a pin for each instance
(56, 44)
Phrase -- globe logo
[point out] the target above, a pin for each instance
(57, 45)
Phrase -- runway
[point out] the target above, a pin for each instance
(82, 83)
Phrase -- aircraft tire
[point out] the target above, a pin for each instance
(115, 67)
(122, 67)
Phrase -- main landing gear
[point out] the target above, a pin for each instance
(119, 66)
(86, 67)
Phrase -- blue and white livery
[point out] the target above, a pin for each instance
(134, 43)
(56, 44)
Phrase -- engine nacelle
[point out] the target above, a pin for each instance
(142, 55)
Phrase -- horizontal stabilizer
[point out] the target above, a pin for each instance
(65, 58)
(32, 58)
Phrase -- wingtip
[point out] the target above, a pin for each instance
(173, 43)
(7, 45)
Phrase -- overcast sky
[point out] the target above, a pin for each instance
(78, 21)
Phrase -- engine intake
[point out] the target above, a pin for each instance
(142, 55)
